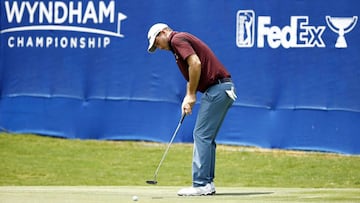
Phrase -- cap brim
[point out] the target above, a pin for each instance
(151, 47)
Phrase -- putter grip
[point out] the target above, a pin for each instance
(182, 118)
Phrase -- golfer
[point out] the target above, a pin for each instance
(206, 74)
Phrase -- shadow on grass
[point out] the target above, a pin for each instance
(242, 193)
(227, 194)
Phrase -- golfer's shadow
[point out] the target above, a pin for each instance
(242, 193)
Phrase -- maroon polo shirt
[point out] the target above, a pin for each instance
(183, 45)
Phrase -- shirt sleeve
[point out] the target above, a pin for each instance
(183, 47)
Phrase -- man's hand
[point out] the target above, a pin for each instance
(188, 103)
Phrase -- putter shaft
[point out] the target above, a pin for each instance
(166, 151)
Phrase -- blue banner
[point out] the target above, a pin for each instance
(80, 69)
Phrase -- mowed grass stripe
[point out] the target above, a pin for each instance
(30, 160)
(158, 194)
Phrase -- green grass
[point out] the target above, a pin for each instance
(36, 160)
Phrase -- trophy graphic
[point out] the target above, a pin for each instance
(341, 26)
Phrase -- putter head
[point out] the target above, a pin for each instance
(151, 182)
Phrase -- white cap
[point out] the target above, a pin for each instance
(153, 32)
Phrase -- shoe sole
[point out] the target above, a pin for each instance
(207, 194)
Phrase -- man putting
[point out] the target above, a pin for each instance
(206, 74)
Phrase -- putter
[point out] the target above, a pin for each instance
(154, 181)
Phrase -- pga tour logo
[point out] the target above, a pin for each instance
(79, 23)
(299, 34)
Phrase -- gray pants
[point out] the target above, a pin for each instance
(213, 108)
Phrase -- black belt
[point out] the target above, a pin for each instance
(219, 81)
(223, 80)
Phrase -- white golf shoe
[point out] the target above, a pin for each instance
(213, 191)
(208, 189)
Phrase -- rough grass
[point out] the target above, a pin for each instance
(36, 160)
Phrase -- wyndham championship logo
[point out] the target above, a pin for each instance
(81, 24)
(298, 34)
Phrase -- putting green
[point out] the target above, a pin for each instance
(150, 194)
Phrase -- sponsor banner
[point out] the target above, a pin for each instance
(23, 18)
(80, 69)
(298, 34)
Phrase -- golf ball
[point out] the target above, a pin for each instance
(135, 198)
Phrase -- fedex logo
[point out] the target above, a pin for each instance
(299, 33)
